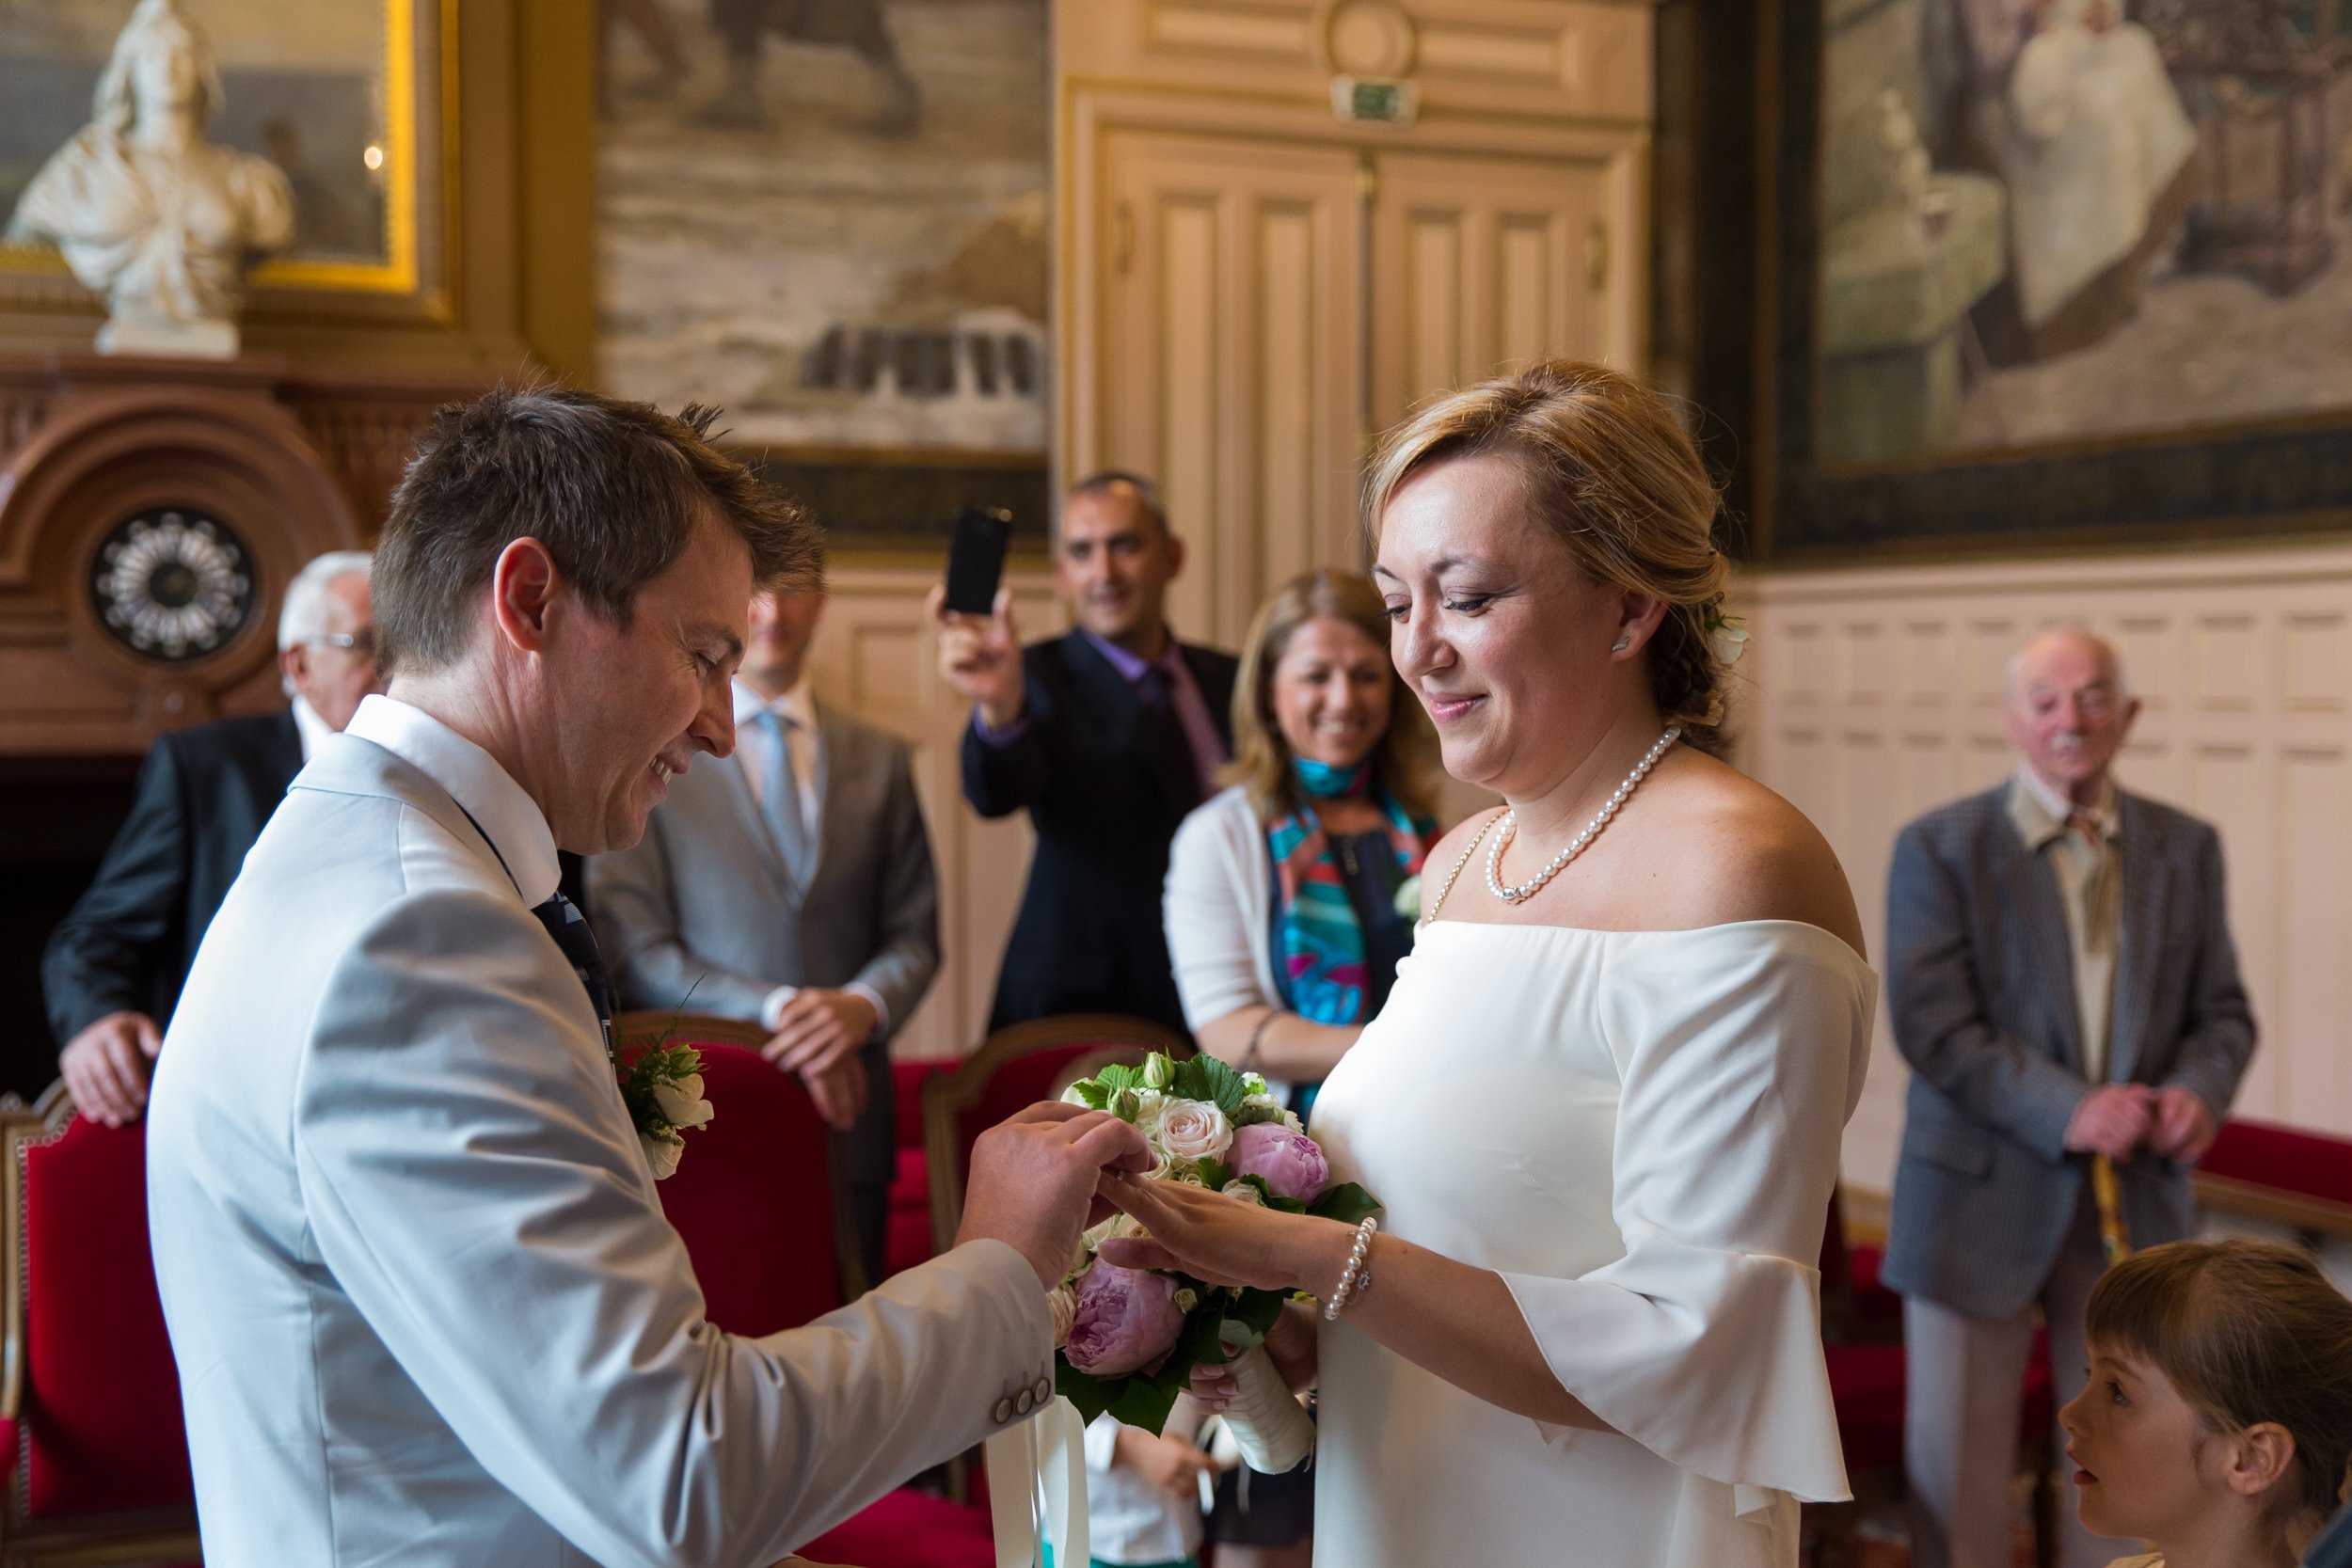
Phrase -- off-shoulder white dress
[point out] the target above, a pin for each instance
(1640, 1131)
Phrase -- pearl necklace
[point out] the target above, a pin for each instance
(1508, 826)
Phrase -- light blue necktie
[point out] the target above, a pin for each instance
(780, 802)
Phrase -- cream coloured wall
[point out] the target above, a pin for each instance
(1870, 696)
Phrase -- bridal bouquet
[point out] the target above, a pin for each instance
(1128, 1339)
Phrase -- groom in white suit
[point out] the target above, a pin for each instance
(424, 1303)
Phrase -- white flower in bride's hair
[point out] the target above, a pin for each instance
(1727, 639)
(682, 1102)
(1194, 1130)
(661, 1153)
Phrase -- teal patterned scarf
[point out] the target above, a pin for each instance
(1321, 944)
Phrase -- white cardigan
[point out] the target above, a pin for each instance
(1219, 908)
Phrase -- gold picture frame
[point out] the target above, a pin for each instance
(411, 279)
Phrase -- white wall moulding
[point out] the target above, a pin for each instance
(874, 655)
(1876, 695)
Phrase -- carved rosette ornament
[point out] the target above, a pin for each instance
(172, 584)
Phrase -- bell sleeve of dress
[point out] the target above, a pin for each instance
(1739, 1053)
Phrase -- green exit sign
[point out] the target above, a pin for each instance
(1377, 99)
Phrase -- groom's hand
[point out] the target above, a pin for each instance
(1034, 1176)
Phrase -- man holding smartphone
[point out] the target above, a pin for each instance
(1107, 736)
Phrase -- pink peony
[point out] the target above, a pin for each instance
(1127, 1319)
(1290, 1163)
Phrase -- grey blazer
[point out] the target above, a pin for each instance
(703, 902)
(1980, 991)
(424, 1302)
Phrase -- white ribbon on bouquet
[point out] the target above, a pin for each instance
(1037, 1489)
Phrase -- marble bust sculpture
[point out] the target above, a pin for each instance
(145, 210)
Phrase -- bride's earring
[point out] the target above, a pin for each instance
(1621, 644)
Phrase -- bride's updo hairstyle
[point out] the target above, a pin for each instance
(1610, 473)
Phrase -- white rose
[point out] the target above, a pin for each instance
(1185, 1301)
(1187, 1175)
(1252, 1084)
(1118, 1228)
(1244, 1190)
(1262, 1101)
(1062, 1301)
(682, 1102)
(1727, 639)
(661, 1153)
(1290, 1119)
(1158, 1071)
(1194, 1130)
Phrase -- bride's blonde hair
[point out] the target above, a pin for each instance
(1611, 472)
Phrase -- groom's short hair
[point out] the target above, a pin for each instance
(613, 489)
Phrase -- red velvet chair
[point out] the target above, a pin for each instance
(1013, 1068)
(909, 1241)
(755, 1201)
(2282, 1174)
(96, 1455)
(1862, 1341)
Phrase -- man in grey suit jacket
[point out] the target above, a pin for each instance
(2061, 978)
(790, 885)
(424, 1303)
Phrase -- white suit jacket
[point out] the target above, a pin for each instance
(425, 1306)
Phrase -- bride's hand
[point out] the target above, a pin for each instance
(1214, 1238)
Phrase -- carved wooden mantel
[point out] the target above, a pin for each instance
(295, 461)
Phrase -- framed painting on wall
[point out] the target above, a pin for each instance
(347, 98)
(2051, 273)
(829, 217)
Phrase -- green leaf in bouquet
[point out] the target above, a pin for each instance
(1096, 1096)
(1143, 1402)
(1346, 1203)
(1237, 1338)
(1250, 1116)
(1271, 1198)
(1214, 1173)
(1119, 1076)
(1090, 1394)
(1201, 1076)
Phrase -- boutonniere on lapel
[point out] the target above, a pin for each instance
(663, 1087)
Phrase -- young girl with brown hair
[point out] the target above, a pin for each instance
(2218, 1419)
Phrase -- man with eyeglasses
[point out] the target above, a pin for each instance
(114, 966)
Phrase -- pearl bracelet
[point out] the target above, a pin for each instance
(1356, 1278)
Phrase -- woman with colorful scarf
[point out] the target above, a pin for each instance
(1291, 896)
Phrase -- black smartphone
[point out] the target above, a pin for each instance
(975, 558)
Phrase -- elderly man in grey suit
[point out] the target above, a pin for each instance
(424, 1302)
(791, 885)
(2061, 978)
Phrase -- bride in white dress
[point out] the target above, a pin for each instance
(1603, 1105)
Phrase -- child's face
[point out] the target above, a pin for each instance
(2137, 1448)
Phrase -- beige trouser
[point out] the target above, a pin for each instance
(1965, 1377)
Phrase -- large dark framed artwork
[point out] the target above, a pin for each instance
(2052, 273)
(830, 217)
(350, 99)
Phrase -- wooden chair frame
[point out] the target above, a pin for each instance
(649, 1025)
(949, 1094)
(87, 1541)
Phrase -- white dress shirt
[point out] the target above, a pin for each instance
(311, 727)
(508, 817)
(1128, 1519)
(756, 754)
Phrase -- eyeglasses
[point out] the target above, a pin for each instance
(363, 644)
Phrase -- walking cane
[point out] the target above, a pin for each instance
(2108, 1195)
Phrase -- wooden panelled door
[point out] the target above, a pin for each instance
(1267, 309)
(1229, 335)
(1481, 265)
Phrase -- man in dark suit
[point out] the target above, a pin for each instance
(2061, 978)
(789, 884)
(114, 966)
(1107, 734)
